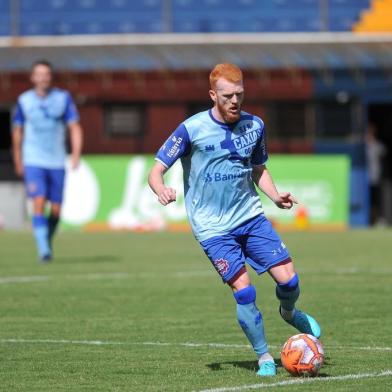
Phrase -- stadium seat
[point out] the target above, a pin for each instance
(5, 26)
(123, 16)
(5, 18)
(377, 19)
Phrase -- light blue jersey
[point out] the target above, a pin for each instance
(217, 160)
(44, 121)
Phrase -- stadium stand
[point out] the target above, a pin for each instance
(324, 74)
(67, 17)
(377, 19)
(5, 18)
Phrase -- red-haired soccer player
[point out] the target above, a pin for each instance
(224, 156)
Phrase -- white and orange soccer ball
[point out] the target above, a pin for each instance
(302, 355)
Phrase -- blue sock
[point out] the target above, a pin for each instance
(288, 294)
(250, 319)
(52, 226)
(40, 228)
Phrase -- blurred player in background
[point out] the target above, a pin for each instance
(39, 125)
(223, 155)
(375, 153)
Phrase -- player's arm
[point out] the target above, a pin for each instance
(165, 194)
(18, 121)
(71, 118)
(176, 146)
(17, 137)
(76, 138)
(262, 178)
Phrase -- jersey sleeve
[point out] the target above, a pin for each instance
(176, 146)
(18, 118)
(71, 112)
(260, 155)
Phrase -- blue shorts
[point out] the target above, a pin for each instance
(48, 183)
(255, 242)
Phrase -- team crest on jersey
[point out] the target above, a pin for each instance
(241, 144)
(222, 266)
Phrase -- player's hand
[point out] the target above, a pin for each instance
(285, 200)
(75, 161)
(167, 196)
(19, 169)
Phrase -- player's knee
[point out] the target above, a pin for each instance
(288, 289)
(55, 210)
(240, 280)
(291, 285)
(246, 295)
(39, 205)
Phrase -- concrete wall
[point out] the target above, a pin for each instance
(12, 205)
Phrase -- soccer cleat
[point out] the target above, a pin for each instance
(305, 323)
(46, 258)
(267, 368)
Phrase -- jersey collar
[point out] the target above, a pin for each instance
(222, 124)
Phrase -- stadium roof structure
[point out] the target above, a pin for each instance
(199, 51)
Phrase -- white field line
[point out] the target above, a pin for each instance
(178, 275)
(344, 270)
(180, 344)
(104, 275)
(385, 373)
(98, 276)
(110, 343)
(24, 279)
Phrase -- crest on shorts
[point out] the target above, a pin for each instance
(32, 187)
(221, 265)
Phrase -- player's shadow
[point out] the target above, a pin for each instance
(251, 366)
(248, 365)
(88, 259)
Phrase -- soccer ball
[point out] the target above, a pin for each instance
(302, 355)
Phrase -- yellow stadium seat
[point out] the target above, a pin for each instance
(377, 19)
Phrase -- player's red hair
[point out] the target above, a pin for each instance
(227, 71)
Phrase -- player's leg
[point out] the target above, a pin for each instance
(36, 186)
(288, 291)
(55, 196)
(53, 220)
(227, 257)
(251, 321)
(267, 252)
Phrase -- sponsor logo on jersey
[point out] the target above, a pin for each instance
(208, 178)
(173, 151)
(222, 266)
(222, 177)
(210, 147)
(247, 139)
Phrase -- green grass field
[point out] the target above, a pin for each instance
(146, 312)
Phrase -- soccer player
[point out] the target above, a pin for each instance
(39, 124)
(223, 154)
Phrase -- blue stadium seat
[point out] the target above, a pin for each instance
(124, 16)
(188, 25)
(36, 28)
(4, 7)
(357, 3)
(5, 19)
(5, 25)
(88, 5)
